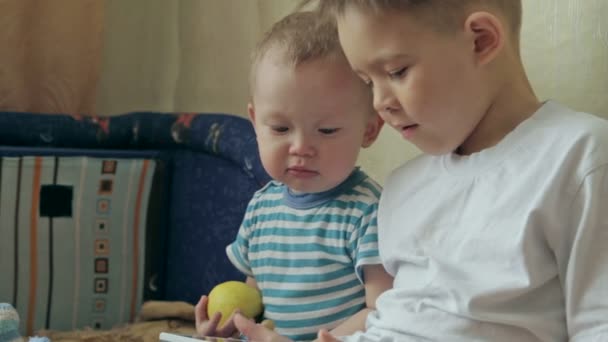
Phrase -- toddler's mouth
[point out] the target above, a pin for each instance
(301, 172)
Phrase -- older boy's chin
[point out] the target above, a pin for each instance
(436, 150)
(436, 147)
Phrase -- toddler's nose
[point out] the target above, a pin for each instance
(302, 146)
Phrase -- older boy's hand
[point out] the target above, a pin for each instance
(206, 326)
(257, 332)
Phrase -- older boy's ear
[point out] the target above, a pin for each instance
(488, 35)
(372, 130)
(251, 112)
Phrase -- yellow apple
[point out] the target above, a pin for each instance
(227, 297)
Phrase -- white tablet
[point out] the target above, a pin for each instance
(169, 337)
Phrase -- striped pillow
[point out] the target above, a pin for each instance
(72, 239)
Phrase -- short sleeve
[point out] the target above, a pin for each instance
(238, 250)
(584, 263)
(364, 240)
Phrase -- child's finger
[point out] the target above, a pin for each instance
(214, 321)
(268, 323)
(228, 328)
(256, 332)
(209, 327)
(246, 326)
(200, 311)
(325, 336)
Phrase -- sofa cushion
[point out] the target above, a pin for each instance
(75, 230)
(212, 182)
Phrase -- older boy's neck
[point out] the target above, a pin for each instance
(515, 103)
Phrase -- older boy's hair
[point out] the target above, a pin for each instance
(444, 15)
(300, 37)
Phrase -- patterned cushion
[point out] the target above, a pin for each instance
(74, 235)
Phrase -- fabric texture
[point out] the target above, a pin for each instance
(306, 252)
(154, 317)
(84, 267)
(139, 207)
(209, 194)
(59, 68)
(200, 229)
(505, 244)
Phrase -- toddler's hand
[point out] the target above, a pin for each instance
(206, 326)
(325, 336)
(257, 332)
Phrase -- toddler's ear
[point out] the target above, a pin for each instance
(372, 130)
(251, 111)
(487, 34)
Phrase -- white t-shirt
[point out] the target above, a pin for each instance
(508, 244)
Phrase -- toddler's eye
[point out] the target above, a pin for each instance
(279, 129)
(328, 131)
(397, 73)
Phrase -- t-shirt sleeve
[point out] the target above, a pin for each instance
(364, 240)
(238, 250)
(584, 260)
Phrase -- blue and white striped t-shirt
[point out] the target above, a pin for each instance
(307, 251)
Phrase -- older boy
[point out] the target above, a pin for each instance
(499, 231)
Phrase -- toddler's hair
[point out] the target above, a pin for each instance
(300, 37)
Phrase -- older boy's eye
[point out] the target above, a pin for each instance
(328, 131)
(397, 73)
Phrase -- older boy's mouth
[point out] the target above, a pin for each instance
(408, 131)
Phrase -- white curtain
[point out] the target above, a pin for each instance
(181, 55)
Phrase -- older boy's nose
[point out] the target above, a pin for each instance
(384, 101)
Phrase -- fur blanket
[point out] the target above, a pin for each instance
(155, 317)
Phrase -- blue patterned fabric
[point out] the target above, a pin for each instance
(207, 169)
(225, 136)
(201, 229)
(25, 129)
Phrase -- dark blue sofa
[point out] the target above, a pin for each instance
(144, 202)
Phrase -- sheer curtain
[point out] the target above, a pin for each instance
(186, 55)
(51, 55)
